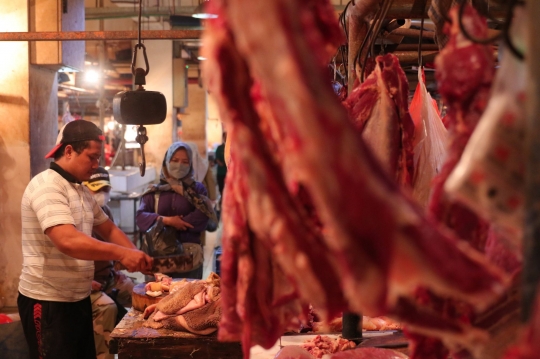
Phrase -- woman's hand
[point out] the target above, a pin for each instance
(96, 286)
(177, 222)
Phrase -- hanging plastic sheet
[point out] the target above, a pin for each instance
(430, 141)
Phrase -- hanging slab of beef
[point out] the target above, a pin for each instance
(379, 110)
(375, 242)
(465, 72)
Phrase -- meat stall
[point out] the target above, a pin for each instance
(344, 194)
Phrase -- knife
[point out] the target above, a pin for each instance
(176, 263)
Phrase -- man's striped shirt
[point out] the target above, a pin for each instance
(50, 200)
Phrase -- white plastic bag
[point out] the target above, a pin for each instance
(430, 151)
(489, 178)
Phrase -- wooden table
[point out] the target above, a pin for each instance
(131, 340)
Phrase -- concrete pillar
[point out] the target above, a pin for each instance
(214, 126)
(43, 116)
(14, 144)
(28, 128)
(160, 59)
(194, 121)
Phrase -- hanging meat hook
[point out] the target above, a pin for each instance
(140, 80)
(504, 34)
(140, 107)
(142, 138)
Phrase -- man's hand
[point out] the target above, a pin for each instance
(136, 261)
(177, 222)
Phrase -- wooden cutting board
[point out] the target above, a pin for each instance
(140, 300)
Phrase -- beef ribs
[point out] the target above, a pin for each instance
(375, 247)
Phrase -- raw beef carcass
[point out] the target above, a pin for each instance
(249, 236)
(259, 302)
(490, 176)
(465, 72)
(528, 346)
(377, 246)
(369, 225)
(379, 111)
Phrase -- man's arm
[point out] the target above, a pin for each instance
(110, 232)
(78, 245)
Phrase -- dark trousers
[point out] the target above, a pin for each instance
(221, 183)
(57, 330)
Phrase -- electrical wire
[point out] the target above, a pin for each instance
(140, 16)
(420, 59)
(375, 29)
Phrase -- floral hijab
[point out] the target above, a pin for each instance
(183, 186)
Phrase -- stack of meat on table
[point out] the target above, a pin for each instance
(192, 306)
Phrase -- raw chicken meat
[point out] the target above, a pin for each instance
(194, 307)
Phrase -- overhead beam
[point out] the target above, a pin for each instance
(100, 35)
(412, 9)
(97, 13)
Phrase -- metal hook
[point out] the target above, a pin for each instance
(134, 61)
(465, 33)
(142, 138)
(506, 29)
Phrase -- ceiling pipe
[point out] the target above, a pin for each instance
(412, 9)
(428, 24)
(401, 9)
(413, 33)
(99, 35)
(92, 13)
(411, 57)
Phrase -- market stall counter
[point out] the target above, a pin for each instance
(131, 340)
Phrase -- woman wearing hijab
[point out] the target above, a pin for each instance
(182, 201)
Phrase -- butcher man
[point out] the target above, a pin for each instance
(58, 216)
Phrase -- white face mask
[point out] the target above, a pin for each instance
(102, 198)
(178, 170)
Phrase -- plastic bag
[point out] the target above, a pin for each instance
(489, 177)
(160, 240)
(430, 139)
